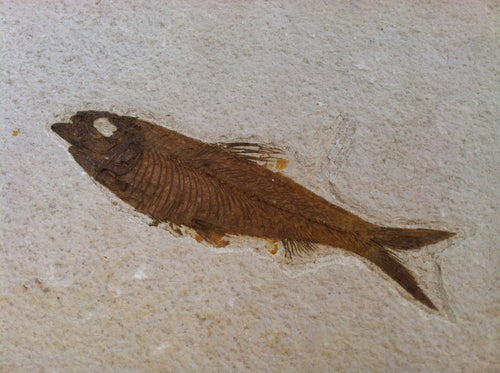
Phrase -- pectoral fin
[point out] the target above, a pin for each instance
(210, 232)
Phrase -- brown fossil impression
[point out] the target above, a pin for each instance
(222, 189)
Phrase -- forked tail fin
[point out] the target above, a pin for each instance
(399, 273)
(407, 239)
(401, 239)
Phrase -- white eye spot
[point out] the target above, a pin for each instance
(104, 126)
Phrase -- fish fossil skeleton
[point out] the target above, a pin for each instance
(220, 189)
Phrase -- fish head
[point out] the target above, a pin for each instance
(102, 142)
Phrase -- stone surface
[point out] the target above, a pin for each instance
(88, 286)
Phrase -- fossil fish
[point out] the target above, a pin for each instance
(221, 189)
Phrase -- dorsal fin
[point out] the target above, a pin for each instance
(251, 151)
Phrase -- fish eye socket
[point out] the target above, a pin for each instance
(104, 127)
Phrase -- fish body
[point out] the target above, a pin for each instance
(220, 189)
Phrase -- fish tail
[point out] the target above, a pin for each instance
(374, 249)
(391, 265)
(407, 239)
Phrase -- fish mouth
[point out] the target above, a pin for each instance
(81, 132)
(76, 132)
(65, 130)
(95, 150)
(87, 145)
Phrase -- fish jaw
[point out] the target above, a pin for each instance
(66, 131)
(80, 132)
(86, 160)
(93, 151)
(77, 135)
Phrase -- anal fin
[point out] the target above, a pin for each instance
(296, 247)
